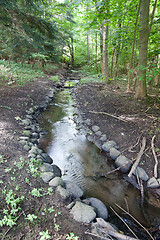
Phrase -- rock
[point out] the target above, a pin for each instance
(152, 183)
(108, 145)
(114, 153)
(56, 170)
(99, 207)
(27, 133)
(95, 128)
(69, 206)
(35, 135)
(103, 137)
(124, 163)
(47, 176)
(26, 147)
(46, 158)
(83, 213)
(74, 190)
(63, 192)
(141, 173)
(46, 167)
(26, 122)
(34, 150)
(88, 121)
(57, 181)
(99, 133)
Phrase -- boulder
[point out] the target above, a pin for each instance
(141, 173)
(74, 190)
(108, 145)
(152, 183)
(95, 128)
(114, 153)
(63, 192)
(99, 207)
(57, 181)
(47, 176)
(46, 167)
(46, 158)
(83, 213)
(124, 163)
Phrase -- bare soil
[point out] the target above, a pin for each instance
(142, 119)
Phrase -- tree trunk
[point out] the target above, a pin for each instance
(141, 90)
(96, 50)
(88, 50)
(112, 62)
(152, 16)
(117, 50)
(72, 52)
(104, 50)
(132, 53)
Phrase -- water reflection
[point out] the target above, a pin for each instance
(80, 160)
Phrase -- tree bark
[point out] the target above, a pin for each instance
(96, 51)
(88, 50)
(132, 53)
(141, 90)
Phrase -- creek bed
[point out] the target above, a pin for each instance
(80, 161)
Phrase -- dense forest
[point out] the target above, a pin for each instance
(109, 38)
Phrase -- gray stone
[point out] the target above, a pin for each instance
(95, 128)
(47, 176)
(24, 138)
(27, 133)
(35, 135)
(99, 133)
(23, 142)
(63, 192)
(46, 158)
(74, 190)
(56, 170)
(99, 207)
(83, 213)
(26, 122)
(141, 173)
(69, 206)
(103, 137)
(57, 181)
(108, 145)
(88, 121)
(152, 183)
(34, 150)
(114, 153)
(124, 163)
(158, 180)
(46, 167)
(26, 147)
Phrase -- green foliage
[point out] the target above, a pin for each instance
(54, 78)
(44, 235)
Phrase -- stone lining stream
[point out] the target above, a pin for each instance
(81, 161)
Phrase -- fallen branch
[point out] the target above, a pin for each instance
(95, 235)
(123, 222)
(110, 115)
(155, 157)
(135, 220)
(138, 157)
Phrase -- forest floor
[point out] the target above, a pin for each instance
(142, 119)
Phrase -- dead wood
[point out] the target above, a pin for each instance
(138, 157)
(135, 220)
(110, 115)
(155, 157)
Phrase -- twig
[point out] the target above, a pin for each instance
(110, 115)
(95, 235)
(155, 157)
(135, 220)
(138, 157)
(123, 222)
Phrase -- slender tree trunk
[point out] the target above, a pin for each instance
(72, 52)
(152, 15)
(141, 90)
(112, 62)
(104, 50)
(101, 48)
(117, 50)
(96, 50)
(88, 50)
(132, 53)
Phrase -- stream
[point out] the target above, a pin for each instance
(80, 161)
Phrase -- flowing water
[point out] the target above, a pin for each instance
(80, 160)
